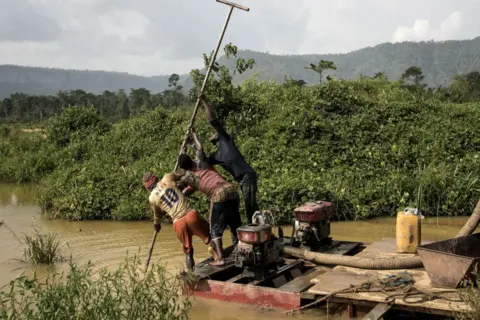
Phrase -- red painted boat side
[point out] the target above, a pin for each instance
(247, 294)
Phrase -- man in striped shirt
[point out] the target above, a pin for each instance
(224, 199)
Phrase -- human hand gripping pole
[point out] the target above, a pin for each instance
(197, 104)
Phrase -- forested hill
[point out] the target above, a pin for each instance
(44, 81)
(440, 62)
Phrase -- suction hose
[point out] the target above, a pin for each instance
(376, 263)
(355, 262)
(472, 222)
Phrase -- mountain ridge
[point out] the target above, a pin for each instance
(439, 60)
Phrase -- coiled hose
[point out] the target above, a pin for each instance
(377, 263)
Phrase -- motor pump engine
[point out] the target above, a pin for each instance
(258, 249)
(312, 225)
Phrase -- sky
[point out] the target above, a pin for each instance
(153, 37)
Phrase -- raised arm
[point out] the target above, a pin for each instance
(200, 154)
(211, 118)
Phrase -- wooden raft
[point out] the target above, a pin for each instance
(342, 277)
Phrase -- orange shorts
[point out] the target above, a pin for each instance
(189, 225)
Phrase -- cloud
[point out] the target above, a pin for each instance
(422, 30)
(20, 22)
(152, 37)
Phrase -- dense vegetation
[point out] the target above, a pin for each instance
(365, 144)
(124, 293)
(440, 61)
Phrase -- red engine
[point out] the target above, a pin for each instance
(258, 249)
(314, 211)
(254, 234)
(312, 225)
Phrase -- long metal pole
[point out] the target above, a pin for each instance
(209, 71)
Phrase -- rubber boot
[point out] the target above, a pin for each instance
(212, 252)
(189, 260)
(234, 243)
(217, 247)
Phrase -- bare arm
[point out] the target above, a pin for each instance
(212, 120)
(208, 108)
(188, 191)
(189, 183)
(200, 154)
(157, 214)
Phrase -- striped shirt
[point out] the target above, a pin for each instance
(211, 183)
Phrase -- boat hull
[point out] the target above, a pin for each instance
(246, 294)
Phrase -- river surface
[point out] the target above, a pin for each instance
(106, 243)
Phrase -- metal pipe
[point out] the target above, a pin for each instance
(209, 70)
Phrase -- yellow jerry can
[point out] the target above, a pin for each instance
(409, 231)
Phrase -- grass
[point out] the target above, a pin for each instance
(43, 248)
(125, 293)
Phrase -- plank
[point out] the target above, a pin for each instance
(204, 270)
(281, 271)
(302, 282)
(342, 277)
(384, 248)
(377, 312)
(411, 308)
(236, 278)
(324, 269)
(342, 248)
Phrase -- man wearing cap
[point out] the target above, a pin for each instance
(166, 197)
(229, 157)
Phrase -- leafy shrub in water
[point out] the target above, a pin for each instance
(42, 248)
(126, 293)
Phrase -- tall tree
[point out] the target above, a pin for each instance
(413, 76)
(173, 80)
(321, 67)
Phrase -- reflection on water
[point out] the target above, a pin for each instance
(106, 243)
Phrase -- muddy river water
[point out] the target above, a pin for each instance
(106, 243)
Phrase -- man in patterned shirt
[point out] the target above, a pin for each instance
(229, 157)
(224, 200)
(166, 197)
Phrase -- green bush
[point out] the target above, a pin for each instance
(366, 145)
(125, 293)
(76, 122)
